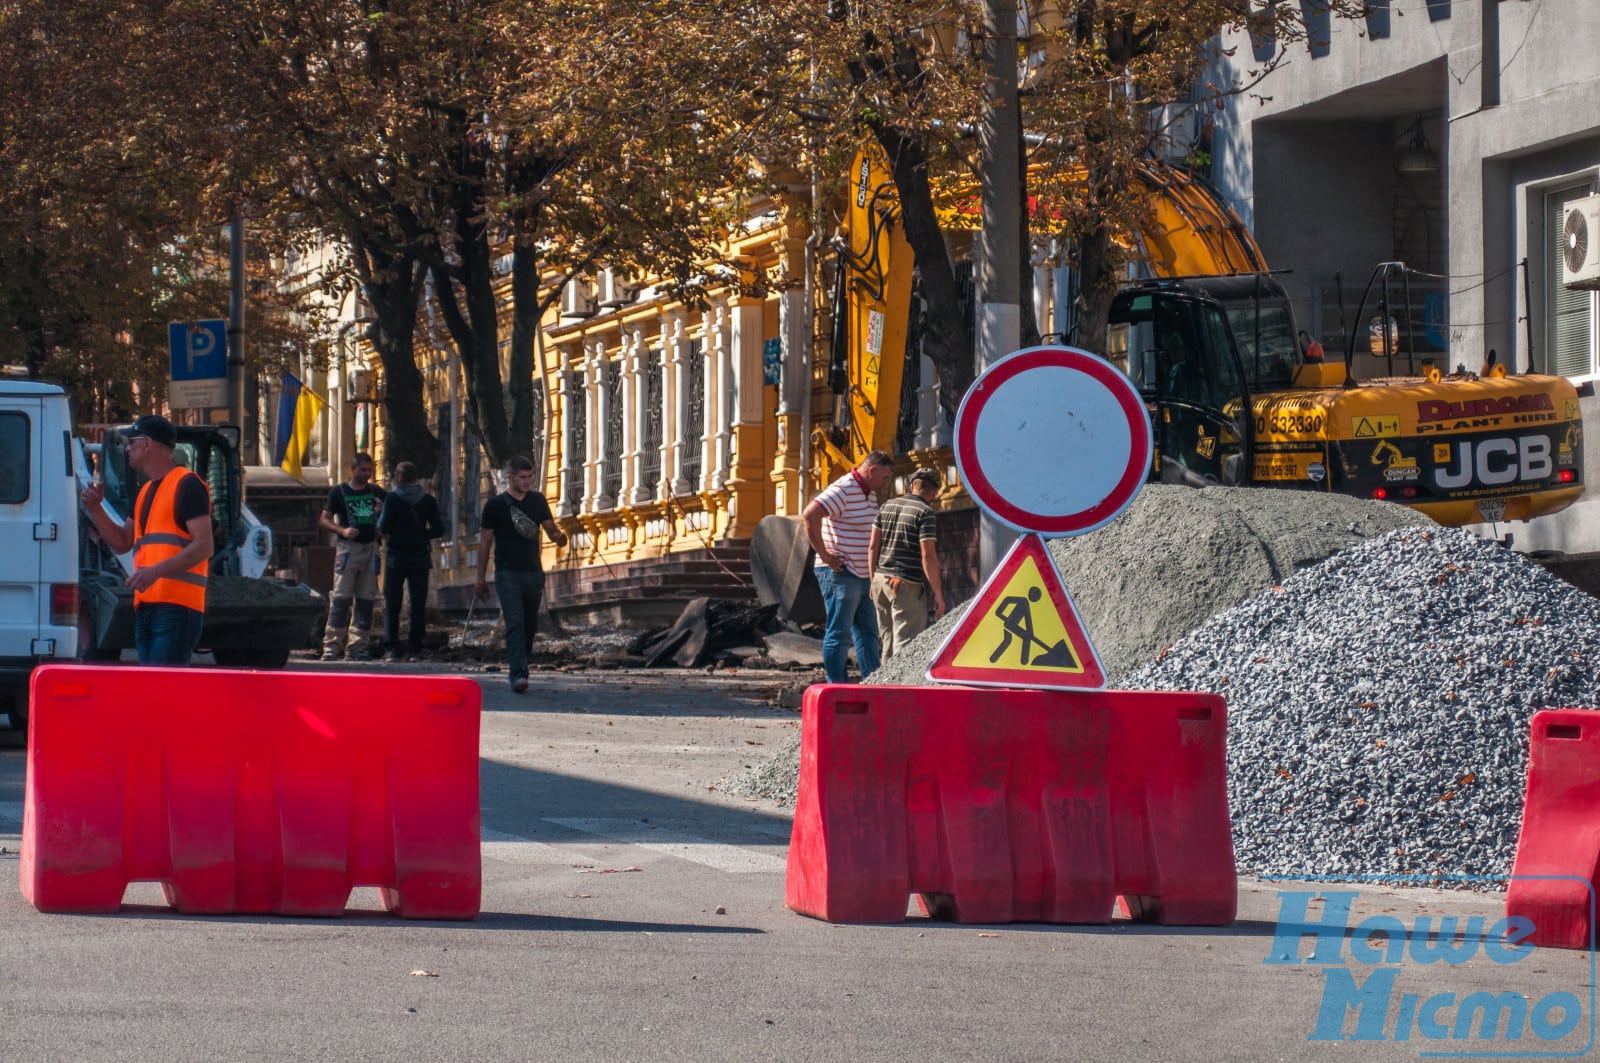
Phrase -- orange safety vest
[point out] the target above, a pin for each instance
(161, 538)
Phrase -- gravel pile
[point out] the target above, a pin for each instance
(1379, 703)
(1379, 699)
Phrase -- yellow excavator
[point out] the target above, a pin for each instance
(1238, 394)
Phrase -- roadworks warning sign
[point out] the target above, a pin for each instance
(1022, 630)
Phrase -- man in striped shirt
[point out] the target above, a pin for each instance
(838, 525)
(905, 555)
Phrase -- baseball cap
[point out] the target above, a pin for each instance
(926, 474)
(155, 428)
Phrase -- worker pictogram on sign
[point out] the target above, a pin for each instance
(1022, 630)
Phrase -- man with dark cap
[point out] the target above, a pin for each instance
(170, 536)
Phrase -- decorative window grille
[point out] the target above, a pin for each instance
(695, 423)
(471, 478)
(572, 489)
(652, 420)
(536, 402)
(445, 481)
(611, 461)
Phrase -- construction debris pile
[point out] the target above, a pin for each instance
(1379, 698)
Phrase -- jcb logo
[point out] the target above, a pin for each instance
(1494, 461)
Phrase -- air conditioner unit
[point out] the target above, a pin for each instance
(1580, 243)
(1177, 128)
(615, 290)
(577, 300)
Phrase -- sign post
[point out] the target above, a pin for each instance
(1053, 441)
(199, 364)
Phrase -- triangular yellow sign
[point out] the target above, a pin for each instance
(1022, 630)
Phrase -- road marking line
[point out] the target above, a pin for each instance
(515, 849)
(731, 858)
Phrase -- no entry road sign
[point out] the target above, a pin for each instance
(1053, 440)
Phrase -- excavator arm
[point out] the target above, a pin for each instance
(1188, 230)
(872, 306)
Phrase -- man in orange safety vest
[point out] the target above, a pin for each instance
(170, 536)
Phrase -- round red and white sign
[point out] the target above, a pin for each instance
(1053, 440)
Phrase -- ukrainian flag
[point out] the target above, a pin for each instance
(298, 410)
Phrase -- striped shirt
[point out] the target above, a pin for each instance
(848, 512)
(904, 524)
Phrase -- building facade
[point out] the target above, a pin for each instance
(1449, 134)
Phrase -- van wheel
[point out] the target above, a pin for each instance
(237, 658)
(87, 650)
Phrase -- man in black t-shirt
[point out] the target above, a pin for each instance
(511, 523)
(351, 513)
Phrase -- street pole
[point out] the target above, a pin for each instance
(999, 279)
(240, 410)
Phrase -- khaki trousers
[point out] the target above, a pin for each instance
(902, 607)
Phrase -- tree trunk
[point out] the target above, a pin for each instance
(524, 329)
(1096, 288)
(392, 283)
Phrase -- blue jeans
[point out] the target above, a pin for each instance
(519, 594)
(164, 633)
(851, 618)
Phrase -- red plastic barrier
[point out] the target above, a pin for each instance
(252, 791)
(1012, 806)
(1560, 838)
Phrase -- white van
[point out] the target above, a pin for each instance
(39, 469)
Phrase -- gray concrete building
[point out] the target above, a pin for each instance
(1453, 135)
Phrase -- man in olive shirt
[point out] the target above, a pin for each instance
(351, 513)
(904, 557)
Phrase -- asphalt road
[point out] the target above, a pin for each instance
(633, 911)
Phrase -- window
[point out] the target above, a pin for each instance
(694, 426)
(471, 477)
(536, 405)
(1569, 312)
(572, 489)
(445, 481)
(611, 462)
(652, 422)
(1267, 343)
(15, 457)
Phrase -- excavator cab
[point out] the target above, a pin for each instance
(1178, 350)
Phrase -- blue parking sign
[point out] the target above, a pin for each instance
(199, 349)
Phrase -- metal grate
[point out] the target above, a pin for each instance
(695, 421)
(471, 478)
(652, 421)
(611, 461)
(536, 446)
(445, 480)
(572, 487)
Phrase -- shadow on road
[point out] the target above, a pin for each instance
(662, 693)
(376, 920)
(517, 800)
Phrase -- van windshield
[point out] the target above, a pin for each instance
(207, 457)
